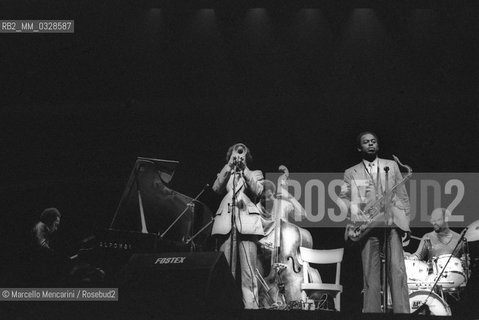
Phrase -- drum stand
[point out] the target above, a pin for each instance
(424, 306)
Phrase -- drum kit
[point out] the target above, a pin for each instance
(430, 282)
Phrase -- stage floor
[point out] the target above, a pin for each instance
(125, 311)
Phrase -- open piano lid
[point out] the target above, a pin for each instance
(161, 205)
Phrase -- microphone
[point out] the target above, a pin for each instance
(234, 164)
(238, 164)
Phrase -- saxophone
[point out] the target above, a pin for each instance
(371, 216)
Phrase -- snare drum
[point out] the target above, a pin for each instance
(417, 273)
(436, 304)
(453, 275)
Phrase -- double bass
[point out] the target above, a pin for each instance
(281, 287)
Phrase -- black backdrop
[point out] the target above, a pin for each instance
(296, 82)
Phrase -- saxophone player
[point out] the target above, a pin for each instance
(363, 184)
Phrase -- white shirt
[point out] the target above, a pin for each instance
(372, 167)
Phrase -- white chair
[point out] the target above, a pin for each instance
(315, 256)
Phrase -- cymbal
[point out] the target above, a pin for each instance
(472, 233)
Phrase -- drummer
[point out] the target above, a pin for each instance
(440, 241)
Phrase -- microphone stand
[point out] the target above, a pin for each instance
(386, 242)
(424, 305)
(188, 206)
(234, 232)
(200, 231)
(466, 253)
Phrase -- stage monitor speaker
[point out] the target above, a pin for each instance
(182, 282)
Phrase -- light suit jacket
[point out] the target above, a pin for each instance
(354, 194)
(247, 219)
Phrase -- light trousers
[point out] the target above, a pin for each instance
(247, 255)
(371, 248)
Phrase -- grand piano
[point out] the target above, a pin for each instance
(151, 218)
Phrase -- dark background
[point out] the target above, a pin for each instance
(295, 81)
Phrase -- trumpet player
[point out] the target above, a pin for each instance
(238, 219)
(363, 184)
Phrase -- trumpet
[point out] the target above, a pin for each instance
(239, 152)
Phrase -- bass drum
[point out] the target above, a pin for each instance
(436, 304)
